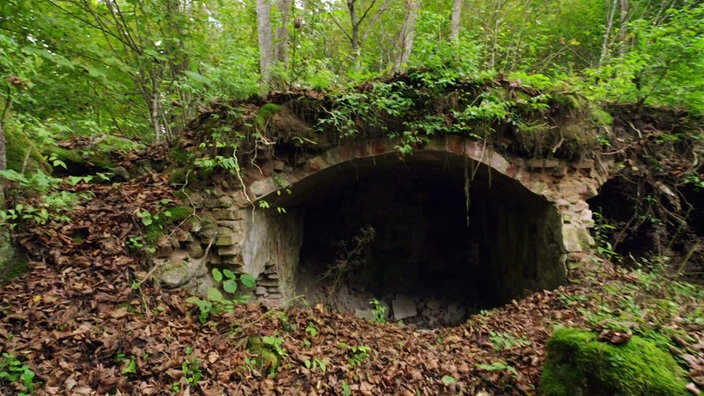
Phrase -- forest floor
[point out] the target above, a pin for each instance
(87, 320)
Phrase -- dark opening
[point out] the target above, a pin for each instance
(400, 232)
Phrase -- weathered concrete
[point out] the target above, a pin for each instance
(538, 211)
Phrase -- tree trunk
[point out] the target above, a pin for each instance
(455, 20)
(607, 33)
(408, 31)
(354, 39)
(623, 29)
(281, 48)
(3, 142)
(265, 41)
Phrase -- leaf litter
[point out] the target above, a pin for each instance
(86, 321)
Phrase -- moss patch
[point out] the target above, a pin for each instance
(22, 153)
(267, 359)
(577, 363)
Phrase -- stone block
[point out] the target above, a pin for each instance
(576, 238)
(404, 307)
(226, 201)
(228, 238)
(364, 314)
(226, 251)
(263, 187)
(542, 163)
(225, 214)
(260, 291)
(278, 165)
(584, 164)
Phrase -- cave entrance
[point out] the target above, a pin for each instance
(400, 232)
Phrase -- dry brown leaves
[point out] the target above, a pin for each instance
(84, 330)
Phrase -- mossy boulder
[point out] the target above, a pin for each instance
(578, 364)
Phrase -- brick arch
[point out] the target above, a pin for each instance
(267, 237)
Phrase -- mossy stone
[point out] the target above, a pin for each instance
(267, 359)
(578, 364)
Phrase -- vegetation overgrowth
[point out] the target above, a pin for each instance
(98, 98)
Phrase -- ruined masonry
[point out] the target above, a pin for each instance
(234, 231)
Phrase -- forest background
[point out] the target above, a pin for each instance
(142, 69)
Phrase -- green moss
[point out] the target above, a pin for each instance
(265, 113)
(83, 158)
(568, 101)
(12, 263)
(577, 363)
(177, 213)
(267, 359)
(18, 147)
(600, 117)
(173, 215)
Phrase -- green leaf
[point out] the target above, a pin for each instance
(448, 380)
(229, 274)
(215, 294)
(248, 280)
(229, 286)
(217, 275)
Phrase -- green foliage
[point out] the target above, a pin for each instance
(378, 310)
(270, 352)
(52, 206)
(498, 366)
(502, 340)
(216, 302)
(356, 355)
(576, 361)
(602, 235)
(12, 370)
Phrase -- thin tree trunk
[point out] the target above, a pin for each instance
(3, 142)
(455, 21)
(623, 29)
(265, 40)
(495, 33)
(607, 33)
(281, 48)
(408, 31)
(354, 39)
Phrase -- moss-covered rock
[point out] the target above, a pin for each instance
(267, 359)
(578, 364)
(23, 154)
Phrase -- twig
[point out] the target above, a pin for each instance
(686, 259)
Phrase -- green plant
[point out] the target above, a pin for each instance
(12, 370)
(51, 203)
(312, 364)
(356, 354)
(378, 310)
(216, 302)
(311, 330)
(602, 230)
(129, 365)
(498, 366)
(191, 371)
(502, 340)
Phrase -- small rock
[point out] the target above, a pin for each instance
(260, 290)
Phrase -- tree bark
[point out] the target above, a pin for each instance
(3, 142)
(607, 33)
(281, 47)
(408, 31)
(266, 53)
(354, 39)
(455, 20)
(623, 29)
